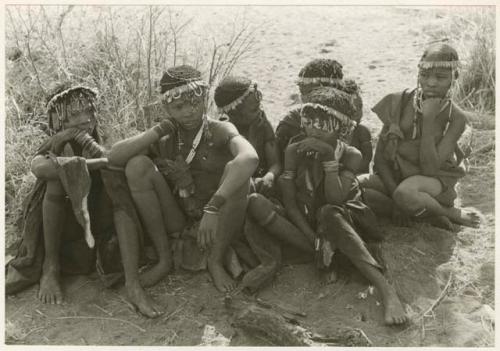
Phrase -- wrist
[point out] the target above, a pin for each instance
(215, 203)
(331, 166)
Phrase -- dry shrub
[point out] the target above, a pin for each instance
(123, 56)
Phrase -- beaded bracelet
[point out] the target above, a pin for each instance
(331, 166)
(88, 144)
(217, 201)
(211, 209)
(290, 175)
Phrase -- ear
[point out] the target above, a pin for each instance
(455, 74)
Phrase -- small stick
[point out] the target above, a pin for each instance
(31, 331)
(107, 319)
(440, 297)
(102, 309)
(364, 336)
(167, 317)
(40, 313)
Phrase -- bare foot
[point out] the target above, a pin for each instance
(154, 274)
(394, 313)
(50, 290)
(143, 302)
(442, 222)
(222, 280)
(465, 216)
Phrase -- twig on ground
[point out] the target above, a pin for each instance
(363, 334)
(170, 315)
(102, 309)
(439, 299)
(105, 318)
(30, 332)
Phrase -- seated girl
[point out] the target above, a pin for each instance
(240, 100)
(207, 167)
(316, 73)
(68, 206)
(322, 197)
(417, 159)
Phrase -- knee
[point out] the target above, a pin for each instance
(138, 168)
(328, 213)
(259, 207)
(406, 198)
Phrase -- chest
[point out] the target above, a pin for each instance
(410, 120)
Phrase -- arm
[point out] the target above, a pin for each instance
(366, 148)
(382, 166)
(124, 150)
(239, 170)
(288, 190)
(432, 156)
(266, 182)
(273, 159)
(338, 185)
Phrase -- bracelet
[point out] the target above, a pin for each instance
(216, 202)
(211, 212)
(290, 175)
(331, 166)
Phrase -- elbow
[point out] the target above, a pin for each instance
(252, 160)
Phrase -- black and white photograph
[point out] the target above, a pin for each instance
(249, 174)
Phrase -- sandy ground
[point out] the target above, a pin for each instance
(379, 47)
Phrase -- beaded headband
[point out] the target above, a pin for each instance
(439, 64)
(196, 86)
(344, 119)
(313, 80)
(232, 105)
(53, 100)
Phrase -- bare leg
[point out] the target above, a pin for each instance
(54, 216)
(376, 195)
(231, 219)
(129, 249)
(340, 232)
(145, 185)
(263, 211)
(394, 312)
(417, 194)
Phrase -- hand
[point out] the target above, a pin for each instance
(58, 141)
(264, 185)
(431, 108)
(400, 219)
(163, 128)
(320, 148)
(207, 230)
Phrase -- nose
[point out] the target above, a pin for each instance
(431, 81)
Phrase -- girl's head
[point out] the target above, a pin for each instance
(352, 88)
(183, 94)
(72, 107)
(438, 68)
(328, 114)
(319, 72)
(239, 98)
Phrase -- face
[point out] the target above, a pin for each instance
(246, 112)
(186, 111)
(84, 120)
(435, 82)
(315, 128)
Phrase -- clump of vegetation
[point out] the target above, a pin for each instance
(121, 51)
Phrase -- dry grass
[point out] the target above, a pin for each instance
(123, 57)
